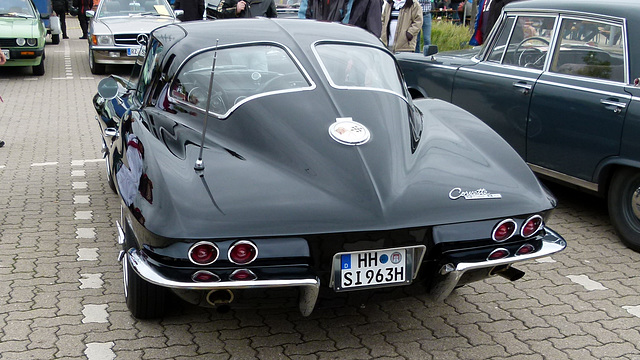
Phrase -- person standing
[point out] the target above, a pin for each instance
(426, 24)
(83, 6)
(61, 7)
(3, 60)
(401, 23)
(247, 8)
(365, 14)
(193, 9)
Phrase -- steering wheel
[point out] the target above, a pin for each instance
(283, 82)
(529, 56)
(198, 97)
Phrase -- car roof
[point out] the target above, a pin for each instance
(628, 9)
(296, 34)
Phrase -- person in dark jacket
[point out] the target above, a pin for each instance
(367, 14)
(83, 6)
(193, 9)
(61, 7)
(326, 10)
(247, 8)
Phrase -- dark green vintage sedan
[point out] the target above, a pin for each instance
(559, 81)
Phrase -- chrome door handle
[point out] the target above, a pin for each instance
(523, 87)
(618, 106)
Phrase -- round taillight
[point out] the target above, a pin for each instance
(205, 276)
(531, 226)
(504, 230)
(525, 249)
(203, 253)
(243, 275)
(243, 252)
(498, 254)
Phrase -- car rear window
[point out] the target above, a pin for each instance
(359, 66)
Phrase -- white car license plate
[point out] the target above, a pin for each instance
(6, 53)
(372, 269)
(136, 51)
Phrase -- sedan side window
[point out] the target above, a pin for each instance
(591, 49)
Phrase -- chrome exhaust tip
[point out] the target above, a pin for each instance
(220, 299)
(507, 272)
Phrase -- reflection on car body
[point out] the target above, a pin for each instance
(557, 84)
(246, 157)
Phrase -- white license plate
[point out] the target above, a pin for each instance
(372, 269)
(6, 53)
(136, 51)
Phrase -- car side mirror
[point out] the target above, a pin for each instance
(179, 13)
(90, 13)
(108, 88)
(430, 50)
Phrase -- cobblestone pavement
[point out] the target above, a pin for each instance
(61, 292)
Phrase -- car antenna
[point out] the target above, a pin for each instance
(199, 166)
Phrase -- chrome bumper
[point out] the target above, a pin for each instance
(450, 274)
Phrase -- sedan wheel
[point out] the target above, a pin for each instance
(624, 206)
(96, 69)
(144, 300)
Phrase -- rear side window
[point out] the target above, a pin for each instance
(590, 49)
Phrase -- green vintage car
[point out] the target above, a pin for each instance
(22, 35)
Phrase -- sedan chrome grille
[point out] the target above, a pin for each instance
(126, 39)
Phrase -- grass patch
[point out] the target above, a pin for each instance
(449, 36)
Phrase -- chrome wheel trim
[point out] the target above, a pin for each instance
(635, 203)
(125, 274)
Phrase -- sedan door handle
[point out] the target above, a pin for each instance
(617, 106)
(523, 87)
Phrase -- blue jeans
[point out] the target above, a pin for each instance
(426, 31)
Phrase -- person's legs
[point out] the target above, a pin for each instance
(84, 24)
(63, 24)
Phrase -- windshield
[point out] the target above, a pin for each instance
(18, 8)
(356, 66)
(109, 8)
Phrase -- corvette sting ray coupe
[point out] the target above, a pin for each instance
(558, 80)
(280, 153)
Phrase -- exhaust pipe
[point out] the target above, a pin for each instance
(507, 272)
(220, 298)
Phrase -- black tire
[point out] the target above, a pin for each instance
(96, 69)
(109, 169)
(39, 69)
(624, 206)
(55, 39)
(144, 300)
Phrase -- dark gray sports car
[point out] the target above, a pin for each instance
(259, 153)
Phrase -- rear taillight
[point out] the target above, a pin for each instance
(498, 254)
(243, 275)
(203, 253)
(525, 249)
(531, 226)
(504, 230)
(243, 252)
(205, 276)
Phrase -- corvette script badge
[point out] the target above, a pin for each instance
(457, 193)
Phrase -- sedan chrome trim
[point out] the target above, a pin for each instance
(551, 244)
(498, 74)
(564, 177)
(620, 94)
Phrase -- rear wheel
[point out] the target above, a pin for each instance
(96, 69)
(144, 299)
(624, 206)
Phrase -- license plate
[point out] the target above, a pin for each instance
(6, 53)
(136, 51)
(374, 268)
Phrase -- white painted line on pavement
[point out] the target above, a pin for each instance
(586, 282)
(78, 185)
(77, 173)
(84, 215)
(87, 254)
(91, 281)
(95, 314)
(2, 166)
(45, 163)
(81, 199)
(93, 160)
(100, 351)
(85, 233)
(546, 259)
(77, 162)
(633, 310)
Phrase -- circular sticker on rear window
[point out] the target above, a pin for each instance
(349, 132)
